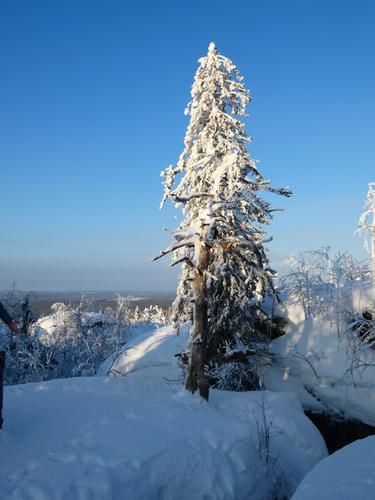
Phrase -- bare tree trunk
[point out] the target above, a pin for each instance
(2, 369)
(196, 378)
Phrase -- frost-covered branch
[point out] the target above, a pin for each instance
(173, 248)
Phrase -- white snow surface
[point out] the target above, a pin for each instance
(142, 436)
(327, 372)
(348, 474)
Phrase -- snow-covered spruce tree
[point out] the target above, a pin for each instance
(366, 226)
(225, 273)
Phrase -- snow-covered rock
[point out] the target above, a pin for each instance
(142, 436)
(348, 474)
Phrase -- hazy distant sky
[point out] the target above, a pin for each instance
(92, 95)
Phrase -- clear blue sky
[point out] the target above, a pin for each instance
(92, 95)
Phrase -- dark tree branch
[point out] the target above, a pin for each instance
(172, 249)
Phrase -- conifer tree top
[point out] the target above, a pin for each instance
(218, 186)
(215, 160)
(212, 48)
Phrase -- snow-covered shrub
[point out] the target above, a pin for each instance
(82, 339)
(74, 340)
(328, 357)
(71, 342)
(151, 314)
(27, 360)
(366, 227)
(336, 290)
(271, 472)
(323, 285)
(364, 327)
(360, 343)
(233, 376)
(237, 369)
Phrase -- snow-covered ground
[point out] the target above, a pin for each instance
(348, 474)
(328, 372)
(140, 435)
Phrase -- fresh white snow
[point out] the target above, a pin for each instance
(328, 373)
(142, 436)
(348, 474)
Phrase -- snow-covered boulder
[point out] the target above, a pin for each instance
(348, 474)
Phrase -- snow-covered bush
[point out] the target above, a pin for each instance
(150, 314)
(233, 376)
(27, 360)
(74, 340)
(364, 328)
(271, 471)
(328, 357)
(322, 284)
(366, 227)
(359, 337)
(336, 293)
(71, 342)
(238, 369)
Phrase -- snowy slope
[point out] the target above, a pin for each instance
(323, 369)
(348, 474)
(142, 436)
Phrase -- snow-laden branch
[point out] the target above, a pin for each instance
(173, 248)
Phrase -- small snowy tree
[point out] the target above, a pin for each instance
(321, 283)
(225, 271)
(366, 226)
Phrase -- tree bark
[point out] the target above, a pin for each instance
(196, 379)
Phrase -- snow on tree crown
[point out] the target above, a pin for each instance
(215, 160)
(366, 224)
(218, 188)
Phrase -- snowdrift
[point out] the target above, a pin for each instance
(142, 436)
(330, 371)
(346, 475)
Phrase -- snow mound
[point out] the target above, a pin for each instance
(329, 372)
(48, 325)
(346, 475)
(149, 348)
(142, 436)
